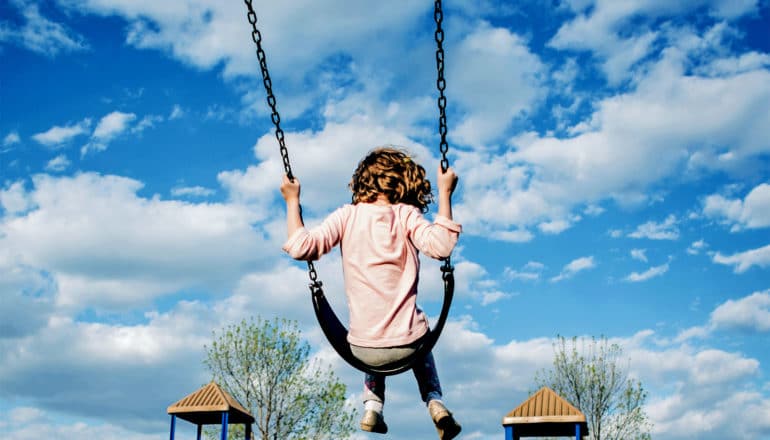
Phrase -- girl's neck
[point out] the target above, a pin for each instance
(382, 200)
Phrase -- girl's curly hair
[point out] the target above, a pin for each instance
(390, 171)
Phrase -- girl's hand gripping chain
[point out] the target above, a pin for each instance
(447, 182)
(290, 191)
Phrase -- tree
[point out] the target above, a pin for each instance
(588, 375)
(265, 366)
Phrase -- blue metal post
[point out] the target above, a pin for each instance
(224, 425)
(509, 432)
(200, 429)
(577, 431)
(173, 425)
(248, 432)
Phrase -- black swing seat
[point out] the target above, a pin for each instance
(337, 334)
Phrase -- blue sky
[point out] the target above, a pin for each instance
(614, 162)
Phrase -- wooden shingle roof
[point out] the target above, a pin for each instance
(205, 407)
(545, 414)
(544, 406)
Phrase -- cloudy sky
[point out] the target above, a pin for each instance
(614, 162)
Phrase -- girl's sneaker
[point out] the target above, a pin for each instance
(374, 422)
(446, 425)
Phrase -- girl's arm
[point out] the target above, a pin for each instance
(303, 244)
(447, 181)
(290, 191)
(436, 239)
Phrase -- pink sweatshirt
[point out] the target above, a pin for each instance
(379, 246)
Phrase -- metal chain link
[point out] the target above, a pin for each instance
(276, 118)
(438, 16)
(315, 286)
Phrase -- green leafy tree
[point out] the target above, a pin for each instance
(265, 365)
(587, 374)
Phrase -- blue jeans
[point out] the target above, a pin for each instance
(427, 381)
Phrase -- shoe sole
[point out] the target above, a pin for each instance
(448, 428)
(377, 429)
(374, 429)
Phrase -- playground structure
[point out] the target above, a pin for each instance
(543, 414)
(210, 405)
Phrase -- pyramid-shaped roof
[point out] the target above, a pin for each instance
(545, 406)
(205, 407)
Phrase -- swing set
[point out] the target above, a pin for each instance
(543, 414)
(333, 329)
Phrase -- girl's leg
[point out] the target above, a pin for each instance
(430, 391)
(374, 388)
(374, 397)
(427, 378)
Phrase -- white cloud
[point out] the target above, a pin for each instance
(495, 201)
(532, 271)
(666, 230)
(492, 297)
(58, 163)
(39, 34)
(146, 122)
(57, 136)
(14, 198)
(475, 370)
(212, 33)
(323, 161)
(652, 272)
(192, 191)
(575, 266)
(738, 64)
(639, 254)
(108, 247)
(602, 27)
(554, 226)
(750, 213)
(743, 261)
(593, 210)
(751, 313)
(10, 140)
(667, 126)
(688, 389)
(177, 112)
(495, 78)
(108, 128)
(515, 236)
(632, 141)
(140, 354)
(27, 423)
(696, 247)
(676, 417)
(693, 332)
(27, 297)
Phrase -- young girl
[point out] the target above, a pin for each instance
(380, 235)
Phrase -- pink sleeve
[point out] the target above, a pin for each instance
(310, 244)
(437, 239)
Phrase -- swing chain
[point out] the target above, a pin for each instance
(438, 15)
(256, 36)
(267, 81)
(315, 285)
(447, 269)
